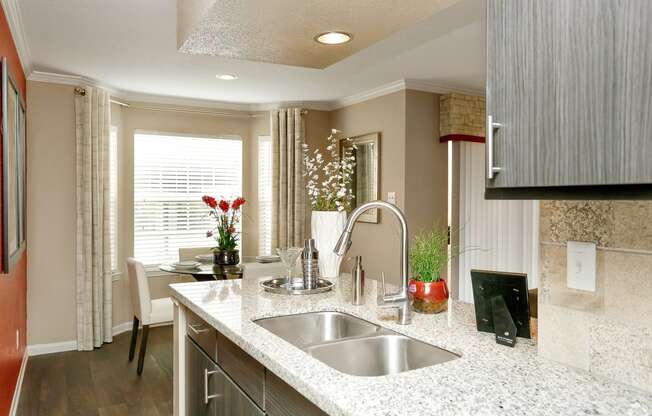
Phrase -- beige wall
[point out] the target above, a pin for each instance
(407, 121)
(51, 199)
(318, 128)
(607, 332)
(426, 169)
(51, 219)
(378, 244)
(413, 164)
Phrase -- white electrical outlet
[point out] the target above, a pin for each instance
(580, 266)
(391, 197)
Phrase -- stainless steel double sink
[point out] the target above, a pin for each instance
(354, 346)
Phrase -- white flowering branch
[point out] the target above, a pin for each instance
(329, 184)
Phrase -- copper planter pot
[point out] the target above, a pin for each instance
(428, 297)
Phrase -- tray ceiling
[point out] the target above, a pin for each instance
(283, 31)
(132, 46)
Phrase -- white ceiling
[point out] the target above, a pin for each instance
(131, 45)
(282, 31)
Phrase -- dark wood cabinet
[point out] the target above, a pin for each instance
(210, 391)
(283, 400)
(223, 380)
(248, 373)
(569, 92)
(199, 389)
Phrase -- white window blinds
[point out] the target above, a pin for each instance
(113, 196)
(265, 195)
(171, 174)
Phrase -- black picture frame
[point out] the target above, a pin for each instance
(512, 287)
(13, 171)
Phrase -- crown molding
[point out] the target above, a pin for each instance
(434, 87)
(308, 105)
(402, 84)
(56, 78)
(135, 97)
(369, 94)
(132, 97)
(15, 20)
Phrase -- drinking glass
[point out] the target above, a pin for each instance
(289, 257)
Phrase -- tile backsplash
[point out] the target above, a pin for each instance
(607, 332)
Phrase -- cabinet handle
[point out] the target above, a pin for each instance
(491, 126)
(197, 331)
(206, 396)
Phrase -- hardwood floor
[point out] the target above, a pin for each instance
(101, 382)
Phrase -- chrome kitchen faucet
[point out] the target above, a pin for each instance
(397, 300)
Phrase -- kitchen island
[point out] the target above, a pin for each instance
(487, 379)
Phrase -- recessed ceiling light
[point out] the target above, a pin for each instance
(333, 38)
(226, 77)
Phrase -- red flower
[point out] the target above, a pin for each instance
(209, 200)
(238, 203)
(231, 230)
(224, 206)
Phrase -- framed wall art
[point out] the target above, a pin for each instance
(13, 171)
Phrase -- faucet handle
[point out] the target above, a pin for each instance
(380, 295)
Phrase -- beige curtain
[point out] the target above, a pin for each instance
(288, 189)
(93, 257)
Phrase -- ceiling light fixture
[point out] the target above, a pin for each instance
(333, 38)
(226, 77)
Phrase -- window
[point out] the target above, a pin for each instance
(265, 195)
(171, 174)
(113, 196)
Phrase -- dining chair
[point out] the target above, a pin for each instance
(147, 311)
(189, 253)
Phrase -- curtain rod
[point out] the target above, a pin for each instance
(81, 91)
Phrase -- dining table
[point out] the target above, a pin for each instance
(206, 272)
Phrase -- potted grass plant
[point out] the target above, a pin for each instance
(428, 257)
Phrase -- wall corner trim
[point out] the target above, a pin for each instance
(19, 384)
(15, 20)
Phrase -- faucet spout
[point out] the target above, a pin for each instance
(343, 243)
(396, 300)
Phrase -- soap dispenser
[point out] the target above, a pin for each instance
(357, 285)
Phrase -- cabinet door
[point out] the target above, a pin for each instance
(201, 382)
(570, 82)
(283, 400)
(235, 402)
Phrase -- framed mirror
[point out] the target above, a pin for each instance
(13, 171)
(366, 176)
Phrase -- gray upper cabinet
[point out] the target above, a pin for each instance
(569, 93)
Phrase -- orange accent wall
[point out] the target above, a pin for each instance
(13, 286)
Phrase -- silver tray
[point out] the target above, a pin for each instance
(278, 285)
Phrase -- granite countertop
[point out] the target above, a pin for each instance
(488, 379)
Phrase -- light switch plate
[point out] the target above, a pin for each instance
(391, 197)
(581, 266)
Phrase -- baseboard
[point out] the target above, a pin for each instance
(51, 348)
(19, 384)
(121, 328)
(40, 349)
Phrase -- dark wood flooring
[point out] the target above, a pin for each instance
(101, 382)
